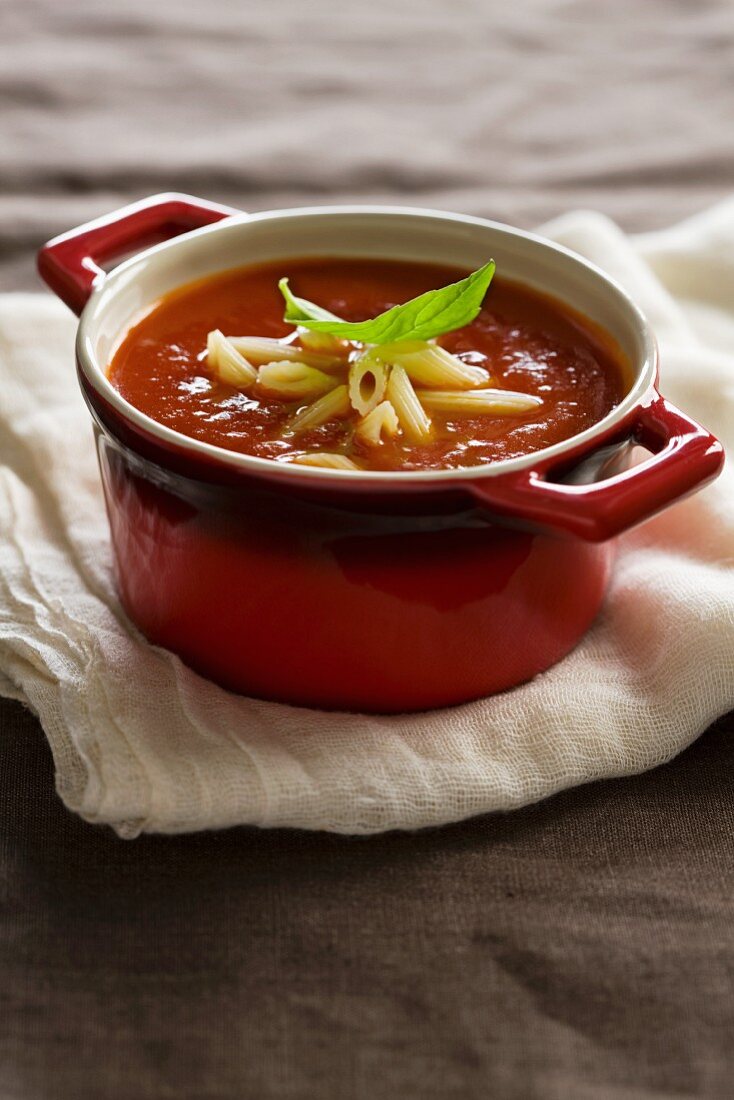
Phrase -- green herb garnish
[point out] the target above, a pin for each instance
(299, 311)
(431, 314)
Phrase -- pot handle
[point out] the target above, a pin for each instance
(70, 264)
(684, 457)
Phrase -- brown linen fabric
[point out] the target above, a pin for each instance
(517, 111)
(582, 948)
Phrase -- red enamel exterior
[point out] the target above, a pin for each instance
(70, 264)
(409, 596)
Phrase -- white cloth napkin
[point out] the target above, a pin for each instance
(142, 743)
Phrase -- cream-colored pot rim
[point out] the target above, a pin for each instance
(551, 268)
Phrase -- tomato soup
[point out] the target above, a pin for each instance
(561, 374)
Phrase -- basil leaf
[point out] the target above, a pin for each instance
(298, 310)
(431, 314)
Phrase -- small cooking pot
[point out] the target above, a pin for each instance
(372, 591)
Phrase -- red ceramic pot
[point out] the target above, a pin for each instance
(363, 591)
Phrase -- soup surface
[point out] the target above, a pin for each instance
(528, 343)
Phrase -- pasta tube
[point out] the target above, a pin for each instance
(382, 420)
(367, 383)
(327, 460)
(431, 365)
(227, 363)
(323, 342)
(412, 416)
(472, 402)
(331, 406)
(261, 349)
(292, 381)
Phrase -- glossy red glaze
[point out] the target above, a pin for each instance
(294, 600)
(683, 457)
(70, 264)
(311, 591)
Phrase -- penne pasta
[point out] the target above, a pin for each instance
(367, 383)
(412, 416)
(382, 420)
(473, 402)
(431, 365)
(227, 363)
(324, 343)
(262, 349)
(292, 381)
(326, 460)
(331, 406)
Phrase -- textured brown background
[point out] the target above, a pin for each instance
(580, 948)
